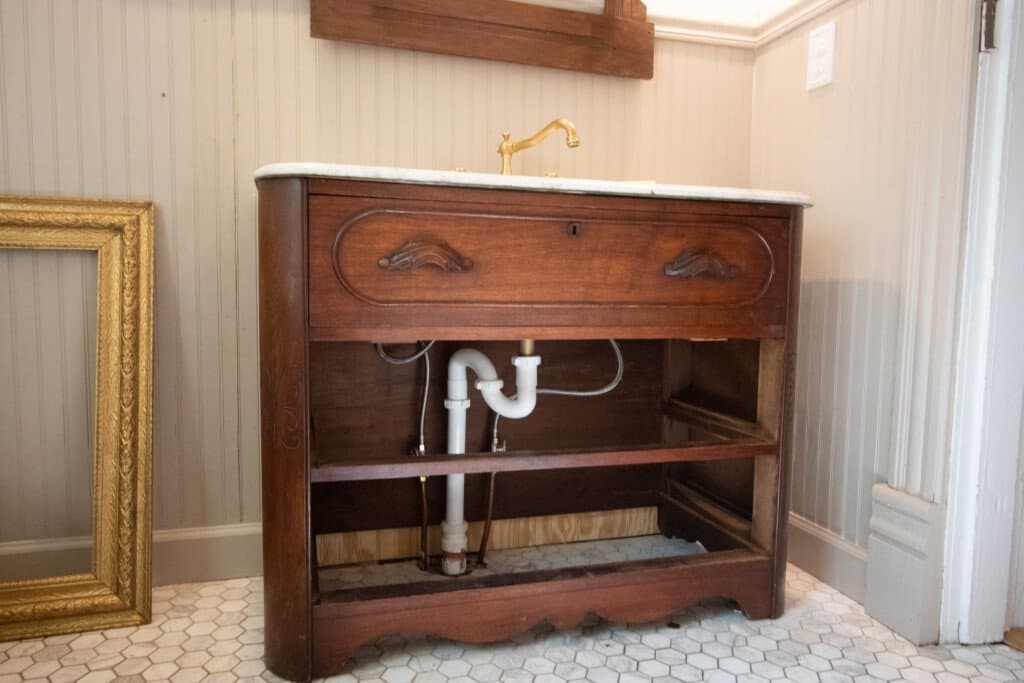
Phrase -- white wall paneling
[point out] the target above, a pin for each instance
(179, 102)
(47, 369)
(881, 151)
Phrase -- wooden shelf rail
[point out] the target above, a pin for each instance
(522, 461)
(719, 424)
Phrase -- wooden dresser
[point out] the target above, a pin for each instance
(702, 296)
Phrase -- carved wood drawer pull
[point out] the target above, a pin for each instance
(421, 252)
(697, 262)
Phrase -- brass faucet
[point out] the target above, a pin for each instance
(508, 148)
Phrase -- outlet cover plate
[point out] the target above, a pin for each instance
(821, 55)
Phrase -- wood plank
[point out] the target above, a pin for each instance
(700, 519)
(472, 583)
(713, 421)
(780, 487)
(519, 532)
(710, 509)
(1015, 638)
(618, 45)
(627, 593)
(471, 463)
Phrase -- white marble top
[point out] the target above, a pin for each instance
(535, 183)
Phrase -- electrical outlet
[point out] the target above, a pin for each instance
(821, 55)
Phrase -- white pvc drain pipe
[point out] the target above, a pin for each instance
(454, 539)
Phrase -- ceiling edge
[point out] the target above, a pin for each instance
(675, 28)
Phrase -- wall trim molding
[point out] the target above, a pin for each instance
(904, 578)
(207, 532)
(828, 556)
(983, 461)
(9, 548)
(226, 551)
(667, 27)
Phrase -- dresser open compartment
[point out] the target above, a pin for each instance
(658, 475)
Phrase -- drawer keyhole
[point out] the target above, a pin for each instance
(573, 229)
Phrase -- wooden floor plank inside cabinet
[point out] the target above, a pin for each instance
(700, 293)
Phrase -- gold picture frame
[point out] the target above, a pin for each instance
(117, 592)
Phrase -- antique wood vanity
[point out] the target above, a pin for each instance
(699, 285)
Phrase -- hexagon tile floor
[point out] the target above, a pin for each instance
(214, 632)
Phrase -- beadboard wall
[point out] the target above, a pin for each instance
(46, 428)
(882, 152)
(179, 102)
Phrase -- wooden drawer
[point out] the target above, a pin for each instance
(389, 264)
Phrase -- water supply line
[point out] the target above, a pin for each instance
(422, 353)
(421, 450)
(454, 539)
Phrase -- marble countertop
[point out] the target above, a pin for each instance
(533, 183)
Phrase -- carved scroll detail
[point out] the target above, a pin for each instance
(421, 252)
(698, 262)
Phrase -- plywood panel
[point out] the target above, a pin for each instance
(522, 532)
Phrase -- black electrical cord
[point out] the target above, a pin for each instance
(487, 523)
(424, 555)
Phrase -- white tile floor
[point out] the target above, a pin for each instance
(214, 632)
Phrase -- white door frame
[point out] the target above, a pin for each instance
(990, 366)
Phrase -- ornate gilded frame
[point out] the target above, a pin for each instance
(117, 592)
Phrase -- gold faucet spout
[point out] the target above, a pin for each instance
(508, 148)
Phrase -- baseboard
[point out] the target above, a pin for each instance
(207, 553)
(48, 557)
(904, 581)
(828, 556)
(179, 555)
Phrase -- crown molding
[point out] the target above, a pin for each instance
(689, 31)
(673, 26)
(668, 27)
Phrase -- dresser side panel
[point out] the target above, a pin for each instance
(284, 392)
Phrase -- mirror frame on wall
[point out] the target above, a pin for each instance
(619, 42)
(117, 592)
